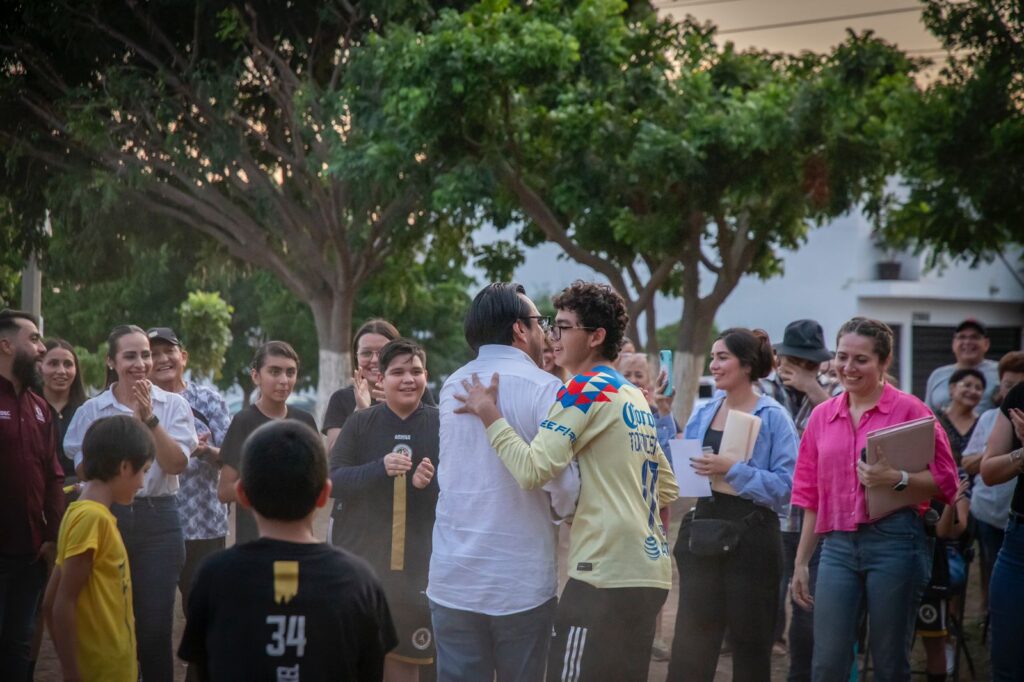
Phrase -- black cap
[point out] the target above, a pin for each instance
(971, 323)
(165, 334)
(804, 339)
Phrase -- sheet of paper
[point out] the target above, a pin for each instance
(691, 484)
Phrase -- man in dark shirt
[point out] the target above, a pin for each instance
(286, 606)
(382, 467)
(31, 499)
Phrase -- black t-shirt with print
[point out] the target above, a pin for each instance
(342, 405)
(364, 512)
(243, 424)
(275, 610)
(1015, 398)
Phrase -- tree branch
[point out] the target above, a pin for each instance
(552, 227)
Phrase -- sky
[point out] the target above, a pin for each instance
(545, 271)
(901, 24)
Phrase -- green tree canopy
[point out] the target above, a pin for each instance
(963, 163)
(643, 147)
(244, 122)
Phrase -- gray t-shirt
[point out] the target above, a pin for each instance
(936, 395)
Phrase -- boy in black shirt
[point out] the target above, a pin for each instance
(286, 607)
(382, 467)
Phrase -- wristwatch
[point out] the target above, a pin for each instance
(152, 422)
(904, 481)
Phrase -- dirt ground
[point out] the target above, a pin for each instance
(48, 669)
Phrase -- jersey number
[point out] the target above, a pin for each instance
(649, 481)
(288, 631)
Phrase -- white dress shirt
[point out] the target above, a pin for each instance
(494, 546)
(175, 418)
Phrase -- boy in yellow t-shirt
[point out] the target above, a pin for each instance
(88, 603)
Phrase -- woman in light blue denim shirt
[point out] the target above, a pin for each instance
(737, 590)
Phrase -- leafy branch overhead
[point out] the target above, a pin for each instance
(246, 122)
(644, 148)
(961, 159)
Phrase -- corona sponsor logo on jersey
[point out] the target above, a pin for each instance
(635, 416)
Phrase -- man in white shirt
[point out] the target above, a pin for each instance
(494, 569)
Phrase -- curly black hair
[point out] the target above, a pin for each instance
(598, 306)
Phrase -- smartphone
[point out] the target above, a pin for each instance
(665, 357)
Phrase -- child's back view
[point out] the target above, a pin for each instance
(286, 607)
(88, 602)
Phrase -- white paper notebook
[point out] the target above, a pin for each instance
(738, 438)
(691, 484)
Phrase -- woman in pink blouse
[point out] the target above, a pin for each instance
(884, 563)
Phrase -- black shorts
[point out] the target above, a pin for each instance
(415, 633)
(603, 634)
(931, 615)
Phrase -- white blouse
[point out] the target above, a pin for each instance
(175, 418)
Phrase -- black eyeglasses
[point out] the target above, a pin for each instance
(556, 331)
(543, 320)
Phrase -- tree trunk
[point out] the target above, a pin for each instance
(651, 322)
(332, 314)
(688, 360)
(633, 332)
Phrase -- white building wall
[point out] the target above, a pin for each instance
(834, 277)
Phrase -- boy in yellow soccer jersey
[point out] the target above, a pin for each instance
(620, 570)
(88, 603)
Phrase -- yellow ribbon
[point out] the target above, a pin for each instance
(398, 525)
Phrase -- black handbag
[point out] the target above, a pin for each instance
(715, 537)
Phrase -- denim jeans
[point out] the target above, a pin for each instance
(790, 541)
(474, 646)
(990, 539)
(801, 628)
(886, 564)
(21, 582)
(1006, 605)
(152, 536)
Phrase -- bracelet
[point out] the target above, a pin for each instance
(1017, 457)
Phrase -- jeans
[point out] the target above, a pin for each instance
(790, 541)
(22, 580)
(886, 564)
(152, 536)
(738, 591)
(990, 539)
(1006, 605)
(474, 646)
(801, 628)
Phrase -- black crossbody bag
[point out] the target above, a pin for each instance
(717, 537)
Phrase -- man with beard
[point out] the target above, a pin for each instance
(493, 567)
(31, 499)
